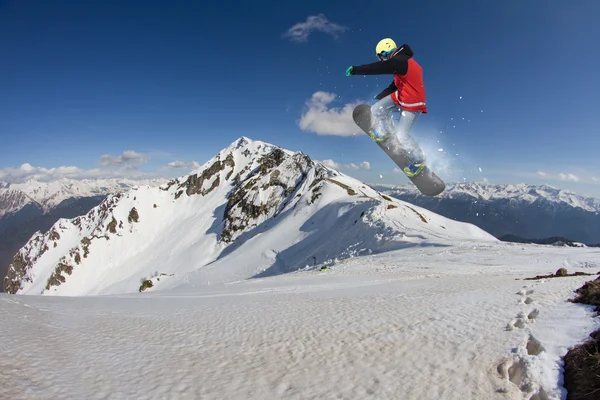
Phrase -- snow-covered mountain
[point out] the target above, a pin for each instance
(12, 200)
(530, 211)
(252, 210)
(32, 206)
(48, 195)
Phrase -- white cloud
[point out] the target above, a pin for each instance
(542, 173)
(27, 172)
(183, 165)
(332, 164)
(365, 165)
(301, 31)
(568, 177)
(129, 160)
(595, 179)
(321, 119)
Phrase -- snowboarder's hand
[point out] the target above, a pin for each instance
(349, 71)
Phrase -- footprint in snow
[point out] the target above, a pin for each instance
(523, 317)
(524, 295)
(534, 347)
(533, 314)
(528, 300)
(517, 323)
(516, 370)
(525, 291)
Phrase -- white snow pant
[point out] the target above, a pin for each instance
(383, 111)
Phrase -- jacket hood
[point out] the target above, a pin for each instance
(406, 50)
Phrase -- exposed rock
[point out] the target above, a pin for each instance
(194, 184)
(54, 235)
(561, 272)
(263, 191)
(57, 277)
(350, 191)
(418, 213)
(17, 273)
(112, 226)
(146, 284)
(86, 246)
(589, 293)
(133, 216)
(581, 364)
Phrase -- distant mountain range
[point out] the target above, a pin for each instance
(49, 195)
(536, 212)
(555, 241)
(26, 208)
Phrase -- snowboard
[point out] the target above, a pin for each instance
(426, 181)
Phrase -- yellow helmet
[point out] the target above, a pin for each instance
(386, 45)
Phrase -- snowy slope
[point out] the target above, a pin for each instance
(253, 209)
(451, 322)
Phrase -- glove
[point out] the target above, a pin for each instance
(349, 71)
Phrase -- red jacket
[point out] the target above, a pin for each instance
(411, 90)
(407, 89)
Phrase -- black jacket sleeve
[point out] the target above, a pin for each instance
(387, 91)
(396, 65)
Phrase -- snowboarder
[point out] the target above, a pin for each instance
(406, 95)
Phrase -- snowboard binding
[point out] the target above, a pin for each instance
(414, 169)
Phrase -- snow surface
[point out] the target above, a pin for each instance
(453, 321)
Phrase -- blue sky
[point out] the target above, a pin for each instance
(125, 88)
